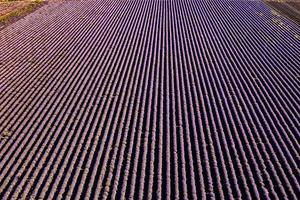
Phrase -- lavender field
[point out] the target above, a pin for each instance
(150, 99)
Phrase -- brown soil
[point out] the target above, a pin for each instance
(7, 7)
(290, 9)
(12, 10)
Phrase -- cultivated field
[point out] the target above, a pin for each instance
(150, 99)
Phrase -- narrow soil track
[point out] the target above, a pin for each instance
(150, 99)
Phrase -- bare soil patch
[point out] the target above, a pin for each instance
(11, 10)
(290, 9)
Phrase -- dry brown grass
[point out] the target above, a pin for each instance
(13, 9)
